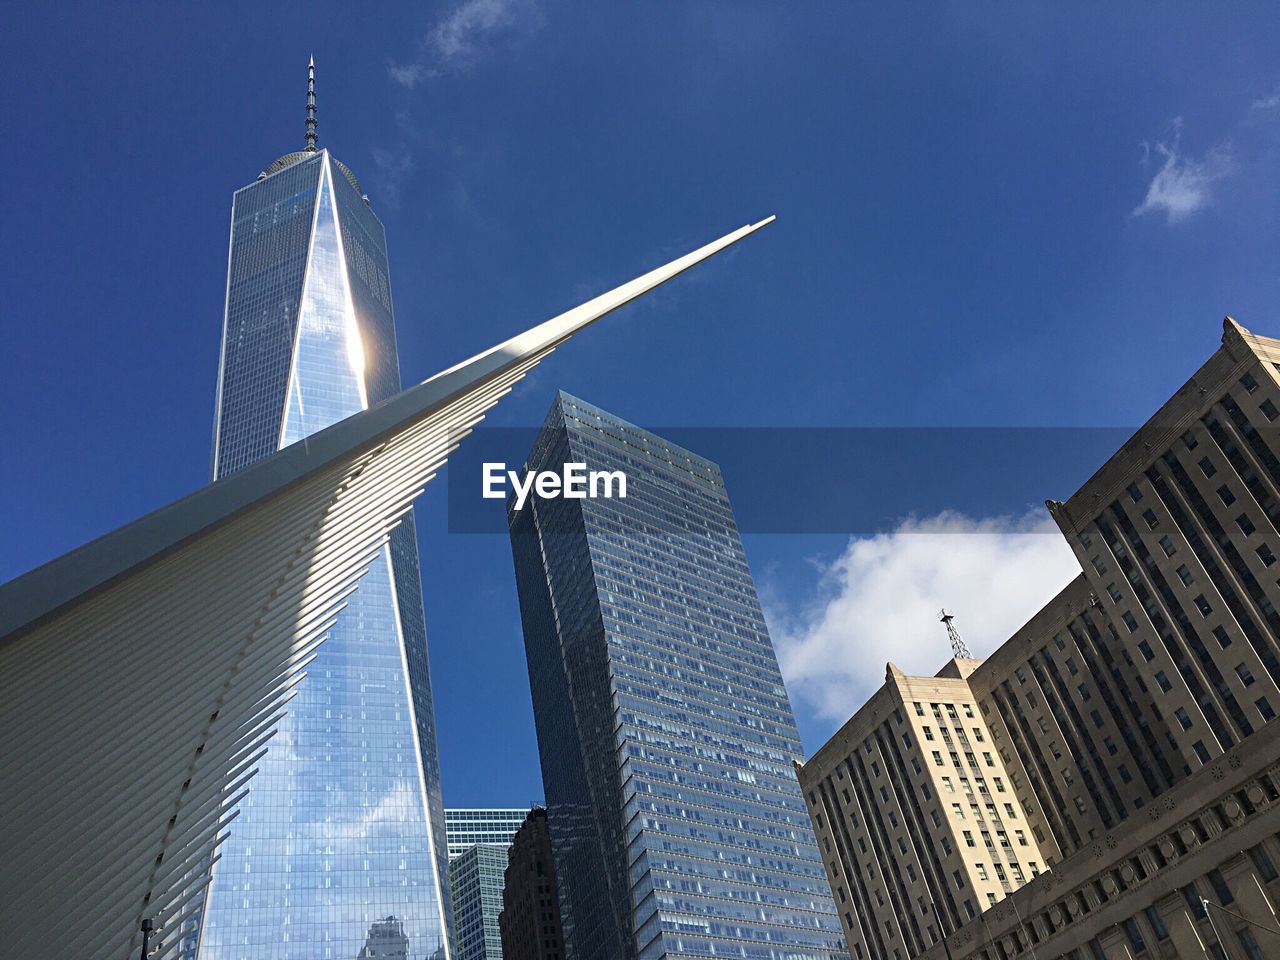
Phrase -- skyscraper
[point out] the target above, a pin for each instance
(466, 827)
(1113, 765)
(665, 733)
(476, 879)
(343, 827)
(530, 920)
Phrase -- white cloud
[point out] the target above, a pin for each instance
(393, 166)
(880, 600)
(462, 38)
(1183, 184)
(1266, 103)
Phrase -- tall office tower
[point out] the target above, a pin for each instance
(475, 880)
(530, 919)
(495, 826)
(343, 825)
(665, 733)
(1118, 724)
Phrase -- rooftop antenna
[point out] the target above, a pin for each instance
(311, 106)
(958, 650)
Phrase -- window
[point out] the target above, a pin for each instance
(1262, 863)
(1192, 896)
(1144, 648)
(1201, 752)
(1009, 811)
(1245, 524)
(1134, 493)
(1248, 382)
(919, 708)
(968, 710)
(1202, 605)
(1167, 546)
(1085, 540)
(1220, 888)
(1110, 745)
(991, 899)
(1163, 680)
(1135, 935)
(1157, 924)
(1207, 467)
(928, 733)
(1185, 576)
(1125, 775)
(999, 785)
(1151, 519)
(986, 758)
(1245, 674)
(1183, 718)
(937, 758)
(1102, 572)
(1264, 709)
(1084, 691)
(947, 785)
(1221, 636)
(1071, 666)
(1021, 838)
(1129, 621)
(937, 820)
(958, 811)
(977, 735)
(1248, 940)
(968, 839)
(982, 870)
(1225, 495)
(1189, 438)
(1113, 593)
(1269, 409)
(1265, 555)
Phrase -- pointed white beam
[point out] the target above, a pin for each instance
(40, 594)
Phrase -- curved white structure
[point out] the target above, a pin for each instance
(142, 675)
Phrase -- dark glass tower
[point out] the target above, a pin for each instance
(665, 733)
(341, 841)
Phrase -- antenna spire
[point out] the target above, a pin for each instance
(311, 106)
(958, 649)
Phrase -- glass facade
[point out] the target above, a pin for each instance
(467, 827)
(665, 734)
(339, 849)
(476, 879)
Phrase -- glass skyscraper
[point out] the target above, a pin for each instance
(338, 851)
(476, 878)
(665, 733)
(466, 827)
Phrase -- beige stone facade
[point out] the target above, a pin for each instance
(1113, 762)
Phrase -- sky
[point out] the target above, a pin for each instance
(1022, 222)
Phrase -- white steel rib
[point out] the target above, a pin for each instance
(143, 674)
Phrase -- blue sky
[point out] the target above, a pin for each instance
(1008, 215)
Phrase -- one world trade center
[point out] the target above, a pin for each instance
(338, 849)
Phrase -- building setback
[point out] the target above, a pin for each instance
(530, 919)
(476, 881)
(665, 734)
(1109, 768)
